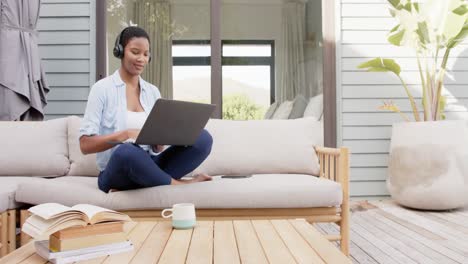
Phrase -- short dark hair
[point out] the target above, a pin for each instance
(132, 32)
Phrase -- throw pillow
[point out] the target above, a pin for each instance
(37, 148)
(81, 165)
(263, 147)
(271, 110)
(299, 106)
(283, 111)
(314, 107)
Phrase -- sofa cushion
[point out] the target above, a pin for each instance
(271, 110)
(82, 165)
(8, 187)
(67, 190)
(259, 191)
(299, 105)
(283, 111)
(315, 107)
(34, 148)
(263, 146)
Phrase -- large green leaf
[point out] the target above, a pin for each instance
(460, 37)
(394, 3)
(396, 37)
(423, 33)
(461, 10)
(444, 17)
(398, 4)
(381, 65)
(395, 28)
(408, 7)
(404, 34)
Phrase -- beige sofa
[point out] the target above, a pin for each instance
(41, 162)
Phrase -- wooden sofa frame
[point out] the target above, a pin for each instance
(334, 165)
(7, 232)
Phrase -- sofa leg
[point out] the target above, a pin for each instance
(3, 234)
(345, 212)
(11, 230)
(7, 232)
(344, 233)
(24, 214)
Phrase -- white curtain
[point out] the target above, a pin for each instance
(291, 79)
(155, 17)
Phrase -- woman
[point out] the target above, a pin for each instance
(117, 108)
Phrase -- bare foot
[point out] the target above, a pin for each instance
(114, 190)
(198, 178)
(202, 177)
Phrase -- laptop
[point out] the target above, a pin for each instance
(176, 123)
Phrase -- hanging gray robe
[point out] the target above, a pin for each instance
(23, 87)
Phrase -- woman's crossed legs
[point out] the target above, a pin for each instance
(130, 167)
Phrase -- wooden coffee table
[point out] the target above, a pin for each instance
(238, 241)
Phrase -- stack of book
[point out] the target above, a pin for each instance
(76, 233)
(71, 256)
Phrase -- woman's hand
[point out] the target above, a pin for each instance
(132, 133)
(99, 143)
(158, 148)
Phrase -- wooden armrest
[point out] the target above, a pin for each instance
(334, 164)
(328, 151)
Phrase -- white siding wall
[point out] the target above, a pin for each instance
(364, 25)
(67, 47)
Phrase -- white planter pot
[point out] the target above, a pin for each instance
(428, 164)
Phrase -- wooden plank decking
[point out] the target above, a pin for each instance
(383, 232)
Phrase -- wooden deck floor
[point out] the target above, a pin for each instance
(383, 232)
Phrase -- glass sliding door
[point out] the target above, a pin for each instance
(248, 57)
(191, 51)
(273, 56)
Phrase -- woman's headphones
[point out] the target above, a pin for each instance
(118, 50)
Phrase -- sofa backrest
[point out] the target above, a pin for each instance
(81, 165)
(34, 148)
(263, 146)
(239, 147)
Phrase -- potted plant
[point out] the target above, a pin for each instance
(426, 164)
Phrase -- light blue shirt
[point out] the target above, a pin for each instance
(106, 110)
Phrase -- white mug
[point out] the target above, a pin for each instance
(183, 215)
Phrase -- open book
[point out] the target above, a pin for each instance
(49, 218)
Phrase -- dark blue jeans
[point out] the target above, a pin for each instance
(131, 167)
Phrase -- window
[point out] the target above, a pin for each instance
(191, 71)
(247, 69)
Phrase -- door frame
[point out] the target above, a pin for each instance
(329, 73)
